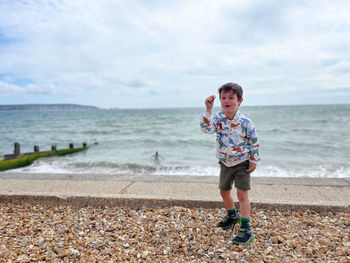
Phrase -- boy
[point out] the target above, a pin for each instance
(237, 149)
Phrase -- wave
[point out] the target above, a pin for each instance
(58, 167)
(323, 171)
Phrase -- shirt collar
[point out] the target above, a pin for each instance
(236, 117)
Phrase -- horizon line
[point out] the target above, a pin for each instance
(184, 107)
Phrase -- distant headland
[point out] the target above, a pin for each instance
(45, 107)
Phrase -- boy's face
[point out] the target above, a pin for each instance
(229, 102)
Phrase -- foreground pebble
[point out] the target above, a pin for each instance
(31, 233)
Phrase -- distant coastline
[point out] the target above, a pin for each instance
(45, 107)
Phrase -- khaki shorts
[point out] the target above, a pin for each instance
(236, 174)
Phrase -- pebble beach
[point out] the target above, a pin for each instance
(39, 233)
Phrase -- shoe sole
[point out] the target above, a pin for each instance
(249, 241)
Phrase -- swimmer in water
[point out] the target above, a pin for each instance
(157, 156)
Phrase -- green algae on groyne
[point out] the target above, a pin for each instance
(28, 158)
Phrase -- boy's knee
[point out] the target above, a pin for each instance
(225, 193)
(242, 195)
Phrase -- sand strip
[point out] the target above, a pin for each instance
(163, 191)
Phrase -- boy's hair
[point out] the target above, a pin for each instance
(234, 87)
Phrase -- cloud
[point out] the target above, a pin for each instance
(8, 88)
(342, 66)
(122, 50)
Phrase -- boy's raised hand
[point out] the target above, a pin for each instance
(209, 103)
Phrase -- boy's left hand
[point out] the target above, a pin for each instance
(252, 167)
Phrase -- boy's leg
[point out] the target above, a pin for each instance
(244, 236)
(232, 217)
(244, 203)
(225, 186)
(228, 199)
(242, 183)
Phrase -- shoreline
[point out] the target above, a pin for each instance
(303, 180)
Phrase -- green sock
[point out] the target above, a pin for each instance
(232, 212)
(245, 223)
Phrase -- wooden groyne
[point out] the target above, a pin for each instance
(17, 160)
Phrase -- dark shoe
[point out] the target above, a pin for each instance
(229, 221)
(244, 237)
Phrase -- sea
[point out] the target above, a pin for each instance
(295, 141)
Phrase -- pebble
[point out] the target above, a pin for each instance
(35, 233)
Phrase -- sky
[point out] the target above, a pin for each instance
(155, 54)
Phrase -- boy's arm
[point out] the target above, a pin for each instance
(254, 144)
(207, 123)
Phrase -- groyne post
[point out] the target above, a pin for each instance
(17, 150)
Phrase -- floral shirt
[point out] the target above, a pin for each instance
(236, 140)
